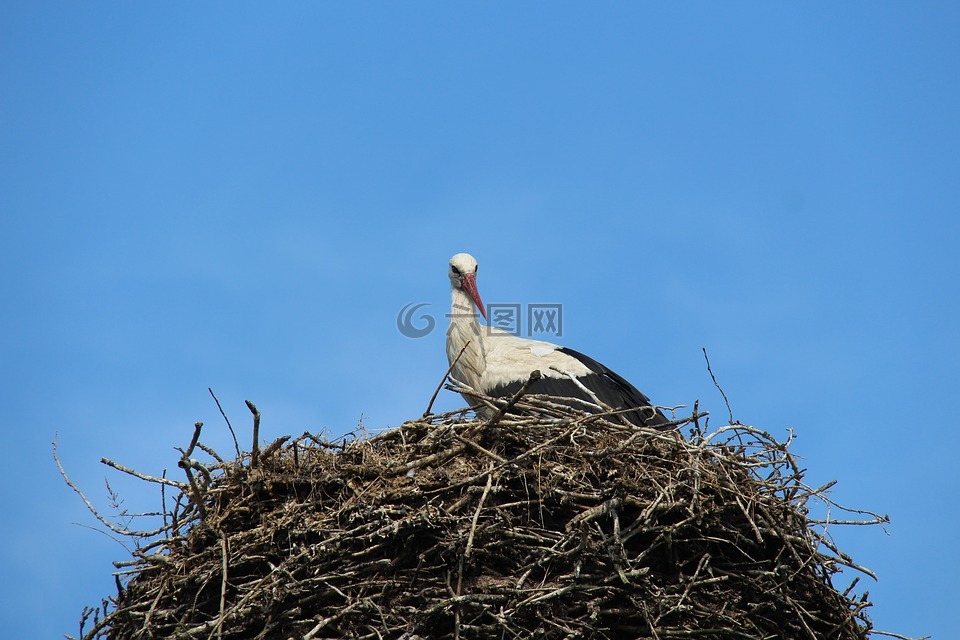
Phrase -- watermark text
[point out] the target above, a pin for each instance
(534, 320)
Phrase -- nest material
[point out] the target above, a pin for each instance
(559, 524)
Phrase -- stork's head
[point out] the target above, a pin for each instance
(463, 276)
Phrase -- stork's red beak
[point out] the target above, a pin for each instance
(470, 286)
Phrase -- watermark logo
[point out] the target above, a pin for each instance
(405, 321)
(538, 320)
(505, 317)
(545, 318)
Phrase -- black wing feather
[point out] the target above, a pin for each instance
(610, 388)
(615, 391)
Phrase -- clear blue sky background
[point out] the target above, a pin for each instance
(243, 196)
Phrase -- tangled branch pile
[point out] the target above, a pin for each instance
(551, 524)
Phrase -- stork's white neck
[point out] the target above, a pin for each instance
(465, 331)
(462, 308)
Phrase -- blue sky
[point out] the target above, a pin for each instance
(243, 196)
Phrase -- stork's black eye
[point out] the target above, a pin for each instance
(456, 271)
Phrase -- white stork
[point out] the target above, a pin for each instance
(497, 363)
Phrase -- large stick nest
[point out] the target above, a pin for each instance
(552, 524)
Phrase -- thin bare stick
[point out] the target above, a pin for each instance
(481, 449)
(476, 514)
(436, 392)
(163, 502)
(534, 376)
(583, 388)
(90, 506)
(143, 476)
(888, 634)
(185, 464)
(603, 407)
(420, 462)
(227, 420)
(274, 446)
(119, 541)
(320, 625)
(255, 452)
(224, 550)
(717, 384)
(197, 426)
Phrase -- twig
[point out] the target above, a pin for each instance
(476, 514)
(481, 449)
(874, 632)
(420, 462)
(142, 476)
(274, 446)
(236, 445)
(323, 623)
(255, 451)
(717, 385)
(197, 426)
(186, 464)
(163, 500)
(534, 376)
(592, 513)
(119, 541)
(436, 392)
(599, 405)
(90, 506)
(224, 552)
